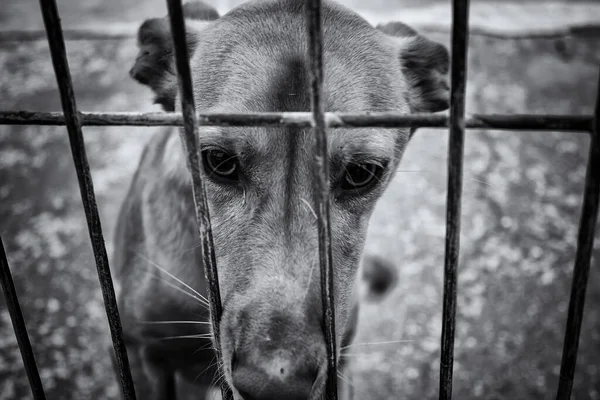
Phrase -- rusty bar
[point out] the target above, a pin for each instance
(460, 17)
(321, 188)
(78, 34)
(530, 122)
(581, 271)
(567, 123)
(524, 33)
(86, 187)
(18, 322)
(129, 30)
(190, 141)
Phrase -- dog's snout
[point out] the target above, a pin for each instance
(278, 375)
(277, 347)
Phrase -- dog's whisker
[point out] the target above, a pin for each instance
(225, 160)
(217, 378)
(482, 182)
(212, 364)
(310, 274)
(199, 336)
(434, 172)
(372, 174)
(347, 172)
(179, 289)
(197, 244)
(312, 210)
(208, 346)
(348, 355)
(345, 379)
(173, 277)
(175, 322)
(386, 342)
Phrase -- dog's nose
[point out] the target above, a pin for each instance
(279, 376)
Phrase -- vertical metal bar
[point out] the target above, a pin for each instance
(16, 316)
(86, 187)
(321, 186)
(191, 143)
(585, 243)
(460, 15)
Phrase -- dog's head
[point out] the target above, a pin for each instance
(259, 180)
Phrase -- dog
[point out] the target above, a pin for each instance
(259, 192)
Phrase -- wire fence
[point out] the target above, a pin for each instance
(319, 121)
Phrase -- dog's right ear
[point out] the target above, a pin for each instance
(200, 11)
(425, 65)
(154, 65)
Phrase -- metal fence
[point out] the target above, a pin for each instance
(319, 121)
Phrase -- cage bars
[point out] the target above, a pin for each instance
(583, 258)
(67, 96)
(318, 120)
(566, 123)
(16, 316)
(190, 141)
(458, 76)
(321, 188)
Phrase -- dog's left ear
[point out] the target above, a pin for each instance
(154, 65)
(425, 65)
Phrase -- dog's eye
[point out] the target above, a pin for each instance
(221, 164)
(361, 176)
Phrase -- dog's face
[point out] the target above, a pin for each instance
(260, 180)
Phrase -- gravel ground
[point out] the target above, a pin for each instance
(522, 198)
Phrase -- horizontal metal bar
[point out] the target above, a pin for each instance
(314, 27)
(567, 123)
(458, 75)
(105, 33)
(190, 142)
(583, 256)
(129, 31)
(18, 322)
(574, 30)
(71, 116)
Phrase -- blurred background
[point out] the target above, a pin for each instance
(521, 204)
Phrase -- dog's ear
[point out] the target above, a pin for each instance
(425, 64)
(154, 65)
(200, 11)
